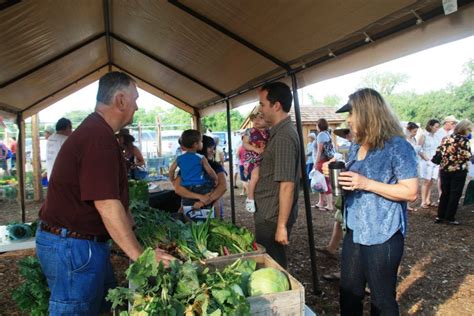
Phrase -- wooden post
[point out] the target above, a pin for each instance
(158, 135)
(20, 164)
(37, 187)
(197, 124)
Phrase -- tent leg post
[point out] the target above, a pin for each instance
(231, 161)
(20, 164)
(307, 201)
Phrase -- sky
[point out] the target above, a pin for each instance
(431, 69)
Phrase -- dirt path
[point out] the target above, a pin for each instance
(436, 276)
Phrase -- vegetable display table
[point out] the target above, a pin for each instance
(12, 245)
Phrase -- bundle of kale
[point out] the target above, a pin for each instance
(32, 295)
(183, 289)
(191, 240)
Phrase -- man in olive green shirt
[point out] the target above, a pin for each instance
(276, 192)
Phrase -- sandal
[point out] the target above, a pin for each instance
(425, 206)
(336, 276)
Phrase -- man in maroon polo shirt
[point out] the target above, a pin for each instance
(87, 204)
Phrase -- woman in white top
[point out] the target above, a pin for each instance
(428, 171)
(410, 131)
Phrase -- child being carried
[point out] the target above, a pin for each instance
(196, 174)
(254, 142)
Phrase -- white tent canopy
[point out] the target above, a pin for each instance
(195, 54)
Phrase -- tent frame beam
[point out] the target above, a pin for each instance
(50, 61)
(107, 33)
(230, 34)
(154, 86)
(167, 65)
(64, 87)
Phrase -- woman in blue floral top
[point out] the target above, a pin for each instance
(381, 177)
(455, 152)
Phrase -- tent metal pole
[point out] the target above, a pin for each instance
(107, 32)
(20, 164)
(307, 202)
(231, 161)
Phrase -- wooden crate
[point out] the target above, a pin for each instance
(233, 257)
(283, 303)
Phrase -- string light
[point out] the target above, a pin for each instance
(331, 53)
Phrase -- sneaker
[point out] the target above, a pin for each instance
(454, 223)
(438, 220)
(250, 205)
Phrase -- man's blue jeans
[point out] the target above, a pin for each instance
(376, 265)
(79, 273)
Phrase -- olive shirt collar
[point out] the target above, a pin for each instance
(283, 123)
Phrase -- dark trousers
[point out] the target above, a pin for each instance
(265, 236)
(376, 265)
(452, 184)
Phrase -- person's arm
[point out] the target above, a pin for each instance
(171, 172)
(250, 147)
(119, 227)
(220, 189)
(404, 190)
(139, 161)
(205, 164)
(421, 153)
(185, 193)
(285, 201)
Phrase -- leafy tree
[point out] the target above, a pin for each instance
(218, 121)
(332, 100)
(384, 82)
(77, 116)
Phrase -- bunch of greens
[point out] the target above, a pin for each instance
(192, 240)
(183, 289)
(138, 190)
(33, 295)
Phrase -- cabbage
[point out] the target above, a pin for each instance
(266, 281)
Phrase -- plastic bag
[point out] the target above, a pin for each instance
(318, 182)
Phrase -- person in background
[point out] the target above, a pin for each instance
(87, 204)
(411, 131)
(381, 177)
(277, 190)
(48, 132)
(429, 171)
(132, 155)
(323, 142)
(219, 152)
(196, 173)
(213, 198)
(331, 249)
(455, 153)
(449, 123)
(55, 142)
(309, 153)
(5, 154)
(242, 152)
(254, 141)
(236, 164)
(13, 148)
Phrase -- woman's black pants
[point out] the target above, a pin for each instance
(376, 265)
(452, 184)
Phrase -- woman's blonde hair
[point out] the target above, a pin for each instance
(375, 121)
(463, 127)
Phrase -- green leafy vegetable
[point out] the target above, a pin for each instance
(266, 281)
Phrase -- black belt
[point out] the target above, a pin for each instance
(57, 231)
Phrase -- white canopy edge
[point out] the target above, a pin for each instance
(426, 35)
